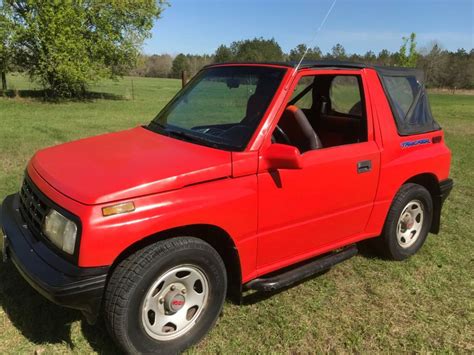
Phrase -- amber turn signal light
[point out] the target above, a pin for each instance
(119, 208)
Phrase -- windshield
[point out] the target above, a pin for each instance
(221, 107)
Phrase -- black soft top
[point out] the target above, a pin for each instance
(333, 64)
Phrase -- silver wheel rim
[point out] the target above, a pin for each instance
(174, 302)
(410, 224)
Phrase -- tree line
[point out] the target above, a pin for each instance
(443, 68)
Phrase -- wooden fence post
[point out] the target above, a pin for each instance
(183, 78)
(4, 81)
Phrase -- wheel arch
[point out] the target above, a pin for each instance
(430, 182)
(217, 237)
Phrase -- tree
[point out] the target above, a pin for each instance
(66, 45)
(250, 50)
(154, 66)
(297, 53)
(159, 66)
(408, 59)
(370, 57)
(196, 62)
(338, 52)
(257, 50)
(459, 70)
(433, 61)
(180, 64)
(6, 43)
(384, 57)
(223, 54)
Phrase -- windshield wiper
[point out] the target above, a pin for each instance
(205, 140)
(170, 132)
(158, 128)
(182, 135)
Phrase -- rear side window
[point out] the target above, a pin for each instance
(403, 91)
(409, 104)
(345, 95)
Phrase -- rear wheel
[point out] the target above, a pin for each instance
(165, 297)
(408, 222)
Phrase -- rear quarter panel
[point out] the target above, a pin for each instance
(402, 157)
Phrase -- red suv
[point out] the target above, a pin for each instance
(254, 176)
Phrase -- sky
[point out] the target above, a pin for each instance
(200, 26)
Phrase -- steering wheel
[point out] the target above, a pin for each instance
(281, 134)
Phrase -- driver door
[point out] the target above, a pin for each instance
(322, 206)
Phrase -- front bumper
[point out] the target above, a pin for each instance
(52, 276)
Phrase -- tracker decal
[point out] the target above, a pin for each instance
(409, 144)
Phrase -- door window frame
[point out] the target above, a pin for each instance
(273, 121)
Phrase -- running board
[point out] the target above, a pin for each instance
(299, 273)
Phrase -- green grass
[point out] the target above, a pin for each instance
(424, 304)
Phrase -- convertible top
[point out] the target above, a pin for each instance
(383, 70)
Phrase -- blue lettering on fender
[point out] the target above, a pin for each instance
(409, 144)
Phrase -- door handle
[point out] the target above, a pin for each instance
(364, 166)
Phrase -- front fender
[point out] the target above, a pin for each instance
(230, 204)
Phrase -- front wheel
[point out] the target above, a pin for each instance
(165, 297)
(408, 222)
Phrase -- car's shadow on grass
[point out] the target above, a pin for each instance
(369, 249)
(366, 249)
(43, 322)
(254, 297)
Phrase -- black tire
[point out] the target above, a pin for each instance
(388, 244)
(132, 279)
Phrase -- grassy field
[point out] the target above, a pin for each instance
(424, 304)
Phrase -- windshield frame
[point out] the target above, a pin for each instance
(189, 135)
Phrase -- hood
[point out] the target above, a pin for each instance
(128, 164)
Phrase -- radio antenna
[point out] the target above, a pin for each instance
(310, 44)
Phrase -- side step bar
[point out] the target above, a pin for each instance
(307, 269)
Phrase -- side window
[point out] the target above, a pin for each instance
(409, 104)
(401, 92)
(304, 84)
(325, 110)
(345, 97)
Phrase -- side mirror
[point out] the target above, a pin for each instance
(282, 156)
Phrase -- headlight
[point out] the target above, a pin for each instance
(60, 231)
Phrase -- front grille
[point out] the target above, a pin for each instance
(33, 208)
